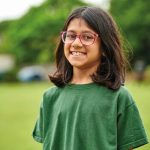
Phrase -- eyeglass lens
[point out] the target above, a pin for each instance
(85, 38)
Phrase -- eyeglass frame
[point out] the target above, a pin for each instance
(79, 36)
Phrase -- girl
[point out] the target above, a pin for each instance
(89, 108)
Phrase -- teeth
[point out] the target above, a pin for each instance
(77, 53)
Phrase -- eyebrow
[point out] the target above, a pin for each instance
(85, 31)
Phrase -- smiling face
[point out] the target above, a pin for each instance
(81, 56)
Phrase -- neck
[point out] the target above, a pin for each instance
(82, 76)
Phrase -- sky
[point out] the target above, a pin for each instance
(13, 9)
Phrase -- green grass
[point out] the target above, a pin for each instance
(19, 106)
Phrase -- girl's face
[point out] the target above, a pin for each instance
(79, 55)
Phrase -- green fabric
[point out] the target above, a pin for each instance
(88, 117)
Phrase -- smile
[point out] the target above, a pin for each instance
(77, 53)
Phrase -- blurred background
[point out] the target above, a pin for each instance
(29, 32)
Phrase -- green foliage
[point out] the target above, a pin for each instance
(134, 19)
(33, 37)
(9, 76)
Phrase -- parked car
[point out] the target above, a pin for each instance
(31, 73)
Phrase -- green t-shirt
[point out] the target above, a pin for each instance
(89, 117)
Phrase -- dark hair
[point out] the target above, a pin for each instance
(111, 72)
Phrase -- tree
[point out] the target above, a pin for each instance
(133, 18)
(33, 37)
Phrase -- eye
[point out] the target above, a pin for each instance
(87, 37)
(70, 35)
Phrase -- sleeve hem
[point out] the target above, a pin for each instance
(134, 144)
(38, 139)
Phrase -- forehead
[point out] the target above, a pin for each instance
(79, 24)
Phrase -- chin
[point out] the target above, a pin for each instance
(78, 66)
(76, 62)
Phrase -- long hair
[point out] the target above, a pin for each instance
(111, 72)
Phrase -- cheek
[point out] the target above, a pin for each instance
(66, 50)
(98, 47)
(66, 47)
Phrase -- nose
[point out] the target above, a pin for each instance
(77, 41)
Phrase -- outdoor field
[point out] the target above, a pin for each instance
(19, 106)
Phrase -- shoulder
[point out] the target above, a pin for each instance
(51, 91)
(124, 92)
(51, 94)
(125, 98)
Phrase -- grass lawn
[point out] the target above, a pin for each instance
(19, 106)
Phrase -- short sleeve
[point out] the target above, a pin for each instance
(130, 129)
(43, 121)
(38, 131)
